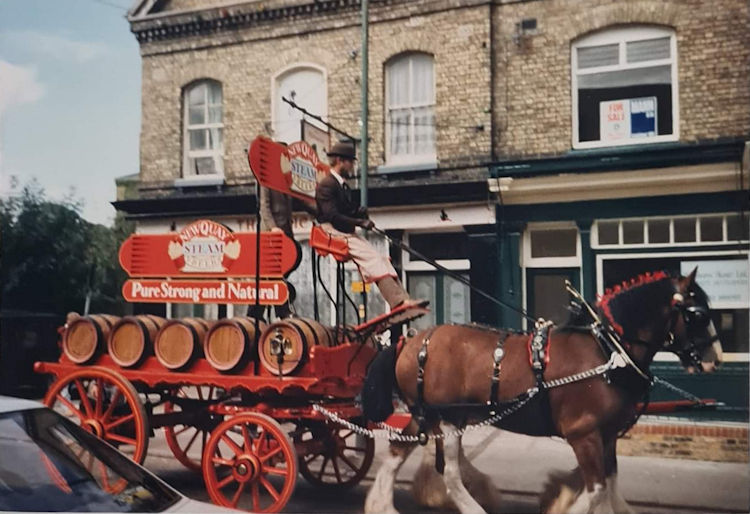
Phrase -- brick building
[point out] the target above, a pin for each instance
(522, 143)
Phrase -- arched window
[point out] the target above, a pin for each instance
(625, 87)
(305, 85)
(410, 109)
(204, 129)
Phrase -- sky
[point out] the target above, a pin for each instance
(70, 77)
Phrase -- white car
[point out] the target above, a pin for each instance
(48, 463)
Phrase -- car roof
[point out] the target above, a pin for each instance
(10, 404)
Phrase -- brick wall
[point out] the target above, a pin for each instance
(534, 78)
(246, 60)
(711, 443)
(531, 85)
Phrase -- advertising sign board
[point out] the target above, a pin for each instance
(209, 250)
(271, 292)
(724, 281)
(294, 170)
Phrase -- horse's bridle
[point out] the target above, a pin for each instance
(694, 317)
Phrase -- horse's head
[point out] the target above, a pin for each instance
(692, 336)
(657, 312)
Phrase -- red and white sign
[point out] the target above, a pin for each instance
(294, 170)
(207, 249)
(204, 247)
(271, 292)
(614, 120)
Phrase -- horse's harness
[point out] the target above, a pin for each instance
(538, 358)
(694, 317)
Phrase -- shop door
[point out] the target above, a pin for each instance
(450, 300)
(546, 294)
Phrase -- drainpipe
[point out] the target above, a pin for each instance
(365, 111)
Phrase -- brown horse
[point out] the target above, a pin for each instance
(584, 384)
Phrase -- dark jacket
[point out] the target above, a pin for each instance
(335, 205)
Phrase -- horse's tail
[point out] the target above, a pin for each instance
(377, 393)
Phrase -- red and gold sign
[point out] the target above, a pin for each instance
(271, 292)
(209, 250)
(294, 170)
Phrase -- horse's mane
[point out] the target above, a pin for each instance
(634, 303)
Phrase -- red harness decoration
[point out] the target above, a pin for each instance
(645, 278)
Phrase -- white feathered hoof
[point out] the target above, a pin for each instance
(428, 487)
(561, 491)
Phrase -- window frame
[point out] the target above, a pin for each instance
(664, 356)
(188, 154)
(276, 81)
(410, 267)
(622, 36)
(668, 244)
(571, 261)
(409, 158)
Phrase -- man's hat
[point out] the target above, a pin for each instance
(342, 149)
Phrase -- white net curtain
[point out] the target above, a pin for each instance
(411, 107)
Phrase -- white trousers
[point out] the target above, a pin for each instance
(372, 265)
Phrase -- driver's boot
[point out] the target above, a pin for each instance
(396, 296)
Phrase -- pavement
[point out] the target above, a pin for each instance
(519, 465)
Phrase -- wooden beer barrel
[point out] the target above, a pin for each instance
(130, 340)
(86, 337)
(230, 343)
(294, 337)
(180, 341)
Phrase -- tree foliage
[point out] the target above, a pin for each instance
(51, 257)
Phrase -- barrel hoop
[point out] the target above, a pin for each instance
(314, 332)
(151, 320)
(242, 329)
(105, 319)
(203, 323)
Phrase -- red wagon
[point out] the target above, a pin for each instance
(249, 433)
(236, 399)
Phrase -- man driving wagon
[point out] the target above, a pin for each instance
(340, 215)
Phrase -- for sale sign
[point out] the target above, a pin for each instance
(621, 120)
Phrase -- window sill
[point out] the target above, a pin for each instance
(401, 168)
(200, 181)
(635, 142)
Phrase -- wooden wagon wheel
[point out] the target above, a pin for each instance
(106, 404)
(337, 458)
(249, 463)
(182, 438)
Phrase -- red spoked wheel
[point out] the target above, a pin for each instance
(249, 463)
(336, 458)
(106, 404)
(187, 442)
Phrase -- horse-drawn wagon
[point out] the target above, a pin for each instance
(235, 397)
(250, 405)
